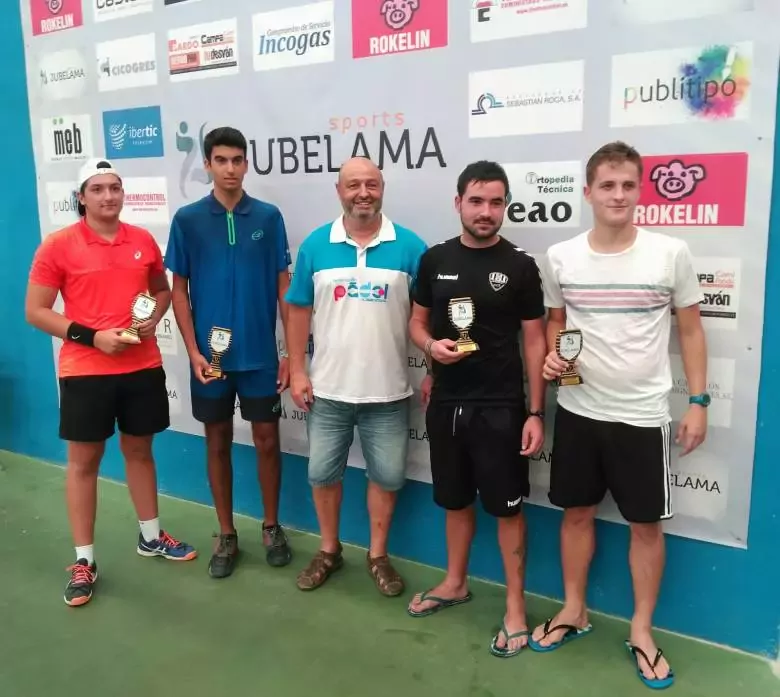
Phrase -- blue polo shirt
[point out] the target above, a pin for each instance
(361, 301)
(233, 261)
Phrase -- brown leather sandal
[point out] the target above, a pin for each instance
(387, 579)
(322, 565)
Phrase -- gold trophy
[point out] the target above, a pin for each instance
(568, 345)
(461, 312)
(141, 310)
(219, 343)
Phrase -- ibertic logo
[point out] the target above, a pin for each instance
(133, 133)
(352, 288)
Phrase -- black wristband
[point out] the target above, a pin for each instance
(81, 334)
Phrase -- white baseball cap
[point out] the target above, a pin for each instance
(94, 167)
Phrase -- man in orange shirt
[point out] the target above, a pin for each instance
(101, 266)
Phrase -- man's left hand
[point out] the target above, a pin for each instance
(283, 376)
(533, 436)
(148, 328)
(692, 429)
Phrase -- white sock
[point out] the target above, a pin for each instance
(86, 552)
(150, 529)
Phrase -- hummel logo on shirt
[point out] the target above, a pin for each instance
(447, 277)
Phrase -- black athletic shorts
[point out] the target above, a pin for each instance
(215, 402)
(90, 405)
(590, 457)
(477, 450)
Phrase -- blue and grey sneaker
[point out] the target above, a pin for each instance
(167, 547)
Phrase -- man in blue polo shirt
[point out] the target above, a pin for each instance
(352, 285)
(229, 257)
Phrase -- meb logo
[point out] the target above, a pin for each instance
(498, 280)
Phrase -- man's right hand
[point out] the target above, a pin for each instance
(300, 390)
(199, 366)
(553, 366)
(111, 341)
(445, 351)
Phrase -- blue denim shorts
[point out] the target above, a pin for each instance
(384, 435)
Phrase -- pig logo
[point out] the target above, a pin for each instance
(54, 6)
(675, 181)
(398, 13)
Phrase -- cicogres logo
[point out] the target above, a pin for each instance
(369, 292)
(133, 133)
(194, 156)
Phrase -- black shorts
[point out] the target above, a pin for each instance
(477, 449)
(90, 405)
(215, 402)
(590, 457)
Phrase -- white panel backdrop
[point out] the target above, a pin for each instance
(424, 88)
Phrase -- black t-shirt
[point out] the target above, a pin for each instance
(505, 286)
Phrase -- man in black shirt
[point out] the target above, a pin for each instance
(479, 427)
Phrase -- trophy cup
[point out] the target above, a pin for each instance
(568, 345)
(141, 310)
(219, 343)
(461, 313)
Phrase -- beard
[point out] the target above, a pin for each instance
(481, 233)
(374, 206)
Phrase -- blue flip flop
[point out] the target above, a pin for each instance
(571, 634)
(441, 603)
(655, 683)
(505, 652)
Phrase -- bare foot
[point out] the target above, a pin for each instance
(446, 589)
(513, 622)
(644, 640)
(574, 618)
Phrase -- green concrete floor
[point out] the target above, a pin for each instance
(160, 628)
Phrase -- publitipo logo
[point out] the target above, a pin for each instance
(49, 16)
(297, 36)
(693, 190)
(192, 169)
(398, 26)
(67, 138)
(62, 203)
(503, 19)
(682, 85)
(133, 133)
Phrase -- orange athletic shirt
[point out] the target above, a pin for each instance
(98, 281)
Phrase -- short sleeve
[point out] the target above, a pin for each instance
(530, 301)
(157, 266)
(417, 253)
(422, 292)
(45, 269)
(686, 290)
(283, 257)
(177, 260)
(553, 295)
(301, 290)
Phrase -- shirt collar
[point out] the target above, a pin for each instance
(93, 238)
(338, 233)
(243, 206)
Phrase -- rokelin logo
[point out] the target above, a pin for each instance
(398, 13)
(675, 181)
(484, 102)
(186, 145)
(54, 6)
(712, 86)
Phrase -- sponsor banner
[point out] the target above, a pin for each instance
(178, 2)
(505, 19)
(719, 280)
(708, 83)
(146, 201)
(127, 63)
(203, 50)
(173, 386)
(63, 74)
(115, 9)
(166, 330)
(49, 16)
(649, 11)
(693, 190)
(133, 133)
(544, 194)
(381, 28)
(299, 36)
(526, 100)
(720, 386)
(700, 486)
(67, 138)
(62, 203)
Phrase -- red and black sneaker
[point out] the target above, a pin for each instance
(82, 579)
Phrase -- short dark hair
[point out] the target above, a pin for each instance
(615, 153)
(225, 135)
(482, 171)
